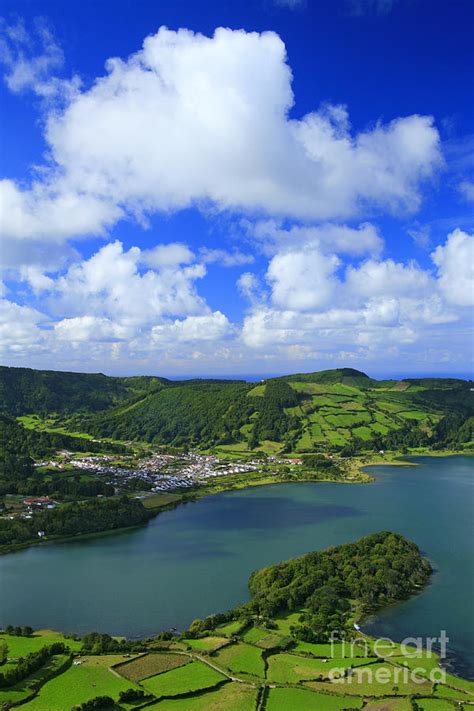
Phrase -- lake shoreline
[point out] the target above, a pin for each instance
(357, 465)
(205, 540)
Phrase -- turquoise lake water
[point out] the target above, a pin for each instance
(196, 559)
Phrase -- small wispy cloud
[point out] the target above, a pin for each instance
(291, 4)
(421, 235)
(31, 58)
(466, 188)
(365, 7)
(225, 258)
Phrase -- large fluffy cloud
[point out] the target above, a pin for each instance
(191, 120)
(144, 298)
(210, 122)
(378, 303)
(302, 279)
(455, 262)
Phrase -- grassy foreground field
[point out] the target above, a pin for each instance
(81, 683)
(183, 680)
(241, 676)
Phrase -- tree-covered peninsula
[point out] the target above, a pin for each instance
(255, 657)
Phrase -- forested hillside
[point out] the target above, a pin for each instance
(336, 410)
(24, 390)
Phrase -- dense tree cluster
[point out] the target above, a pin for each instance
(25, 631)
(132, 695)
(99, 703)
(57, 486)
(374, 571)
(75, 519)
(97, 643)
(30, 664)
(272, 421)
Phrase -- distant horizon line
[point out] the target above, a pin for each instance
(255, 377)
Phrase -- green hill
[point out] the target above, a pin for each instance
(24, 390)
(341, 409)
(345, 376)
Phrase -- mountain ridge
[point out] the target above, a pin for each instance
(305, 412)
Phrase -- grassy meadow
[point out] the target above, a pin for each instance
(239, 667)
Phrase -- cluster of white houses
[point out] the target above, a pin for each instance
(161, 472)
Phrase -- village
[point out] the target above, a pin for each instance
(159, 472)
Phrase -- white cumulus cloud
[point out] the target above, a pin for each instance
(195, 120)
(455, 262)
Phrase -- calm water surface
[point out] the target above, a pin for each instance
(196, 559)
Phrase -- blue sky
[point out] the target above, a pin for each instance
(293, 191)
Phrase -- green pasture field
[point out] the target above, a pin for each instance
(20, 646)
(157, 501)
(399, 703)
(335, 436)
(257, 391)
(183, 680)
(208, 644)
(254, 635)
(285, 621)
(265, 639)
(242, 658)
(229, 697)
(384, 419)
(348, 419)
(281, 699)
(446, 692)
(270, 447)
(424, 664)
(362, 432)
(434, 705)
(230, 628)
(392, 406)
(353, 406)
(81, 683)
(305, 443)
(413, 414)
(150, 665)
(363, 682)
(34, 422)
(291, 669)
(458, 683)
(334, 651)
(380, 429)
(25, 687)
